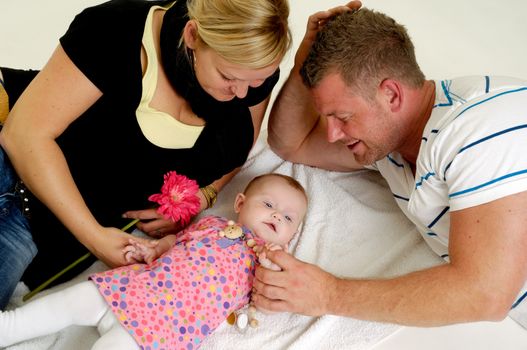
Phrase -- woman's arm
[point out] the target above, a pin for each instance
(257, 115)
(57, 96)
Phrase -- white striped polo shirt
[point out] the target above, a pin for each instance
(473, 151)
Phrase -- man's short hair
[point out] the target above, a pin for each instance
(365, 47)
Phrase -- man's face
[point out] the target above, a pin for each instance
(366, 128)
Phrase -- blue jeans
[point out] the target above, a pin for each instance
(17, 248)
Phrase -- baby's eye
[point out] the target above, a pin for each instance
(288, 218)
(268, 205)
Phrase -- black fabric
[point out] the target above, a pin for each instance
(15, 82)
(114, 166)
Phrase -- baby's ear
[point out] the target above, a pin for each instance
(238, 202)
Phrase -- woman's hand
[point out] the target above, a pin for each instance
(152, 223)
(315, 22)
(108, 244)
(155, 225)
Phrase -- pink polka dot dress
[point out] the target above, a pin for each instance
(176, 301)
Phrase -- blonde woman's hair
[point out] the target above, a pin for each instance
(251, 33)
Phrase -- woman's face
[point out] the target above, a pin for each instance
(224, 80)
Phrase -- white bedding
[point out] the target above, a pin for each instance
(353, 228)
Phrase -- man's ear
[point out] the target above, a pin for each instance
(190, 34)
(238, 202)
(392, 94)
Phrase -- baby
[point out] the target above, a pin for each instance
(192, 282)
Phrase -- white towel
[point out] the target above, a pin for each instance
(353, 228)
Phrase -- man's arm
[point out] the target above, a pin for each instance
(295, 130)
(487, 269)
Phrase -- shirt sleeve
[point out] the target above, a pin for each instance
(104, 42)
(482, 152)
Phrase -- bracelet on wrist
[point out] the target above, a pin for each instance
(210, 193)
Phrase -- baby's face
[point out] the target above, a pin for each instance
(273, 210)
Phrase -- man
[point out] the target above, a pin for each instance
(452, 152)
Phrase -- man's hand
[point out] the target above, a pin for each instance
(315, 22)
(300, 287)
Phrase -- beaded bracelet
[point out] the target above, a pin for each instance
(210, 194)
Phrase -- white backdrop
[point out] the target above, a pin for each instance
(452, 37)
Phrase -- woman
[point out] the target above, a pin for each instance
(134, 89)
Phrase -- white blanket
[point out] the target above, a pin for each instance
(353, 228)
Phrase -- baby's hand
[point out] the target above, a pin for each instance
(141, 251)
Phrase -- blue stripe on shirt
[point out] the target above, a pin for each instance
(492, 136)
(394, 161)
(496, 134)
(520, 299)
(447, 95)
(443, 212)
(423, 178)
(516, 173)
(490, 98)
(433, 131)
(401, 197)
